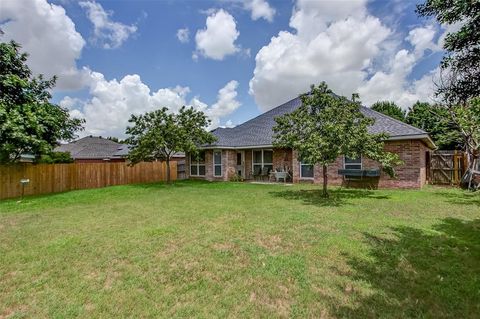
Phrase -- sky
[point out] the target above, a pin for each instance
(232, 59)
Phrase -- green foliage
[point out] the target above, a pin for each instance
(55, 158)
(236, 178)
(462, 60)
(389, 108)
(116, 139)
(327, 126)
(160, 134)
(467, 116)
(29, 123)
(436, 120)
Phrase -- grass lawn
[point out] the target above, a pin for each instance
(198, 249)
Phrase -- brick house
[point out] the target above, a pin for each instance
(247, 151)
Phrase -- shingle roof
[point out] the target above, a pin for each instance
(90, 147)
(259, 130)
(124, 149)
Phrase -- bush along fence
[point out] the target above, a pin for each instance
(30, 179)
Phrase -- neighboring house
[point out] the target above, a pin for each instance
(96, 149)
(247, 150)
(93, 149)
(123, 152)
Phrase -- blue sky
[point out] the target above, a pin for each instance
(241, 57)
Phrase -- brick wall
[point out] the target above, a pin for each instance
(229, 161)
(412, 174)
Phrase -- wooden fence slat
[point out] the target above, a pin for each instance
(446, 167)
(52, 178)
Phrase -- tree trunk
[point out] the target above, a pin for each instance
(168, 170)
(325, 181)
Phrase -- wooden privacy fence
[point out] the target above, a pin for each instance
(52, 178)
(446, 167)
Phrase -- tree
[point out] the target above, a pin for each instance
(159, 134)
(327, 126)
(115, 139)
(389, 108)
(29, 123)
(435, 119)
(462, 59)
(467, 116)
(459, 85)
(55, 157)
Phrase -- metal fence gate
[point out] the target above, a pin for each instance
(446, 167)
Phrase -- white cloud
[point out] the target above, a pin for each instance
(338, 52)
(226, 103)
(423, 38)
(106, 33)
(341, 43)
(112, 102)
(46, 32)
(260, 9)
(229, 124)
(393, 85)
(217, 40)
(183, 35)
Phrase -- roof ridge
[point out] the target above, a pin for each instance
(395, 120)
(264, 113)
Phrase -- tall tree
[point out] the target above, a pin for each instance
(435, 119)
(459, 85)
(158, 135)
(467, 116)
(461, 62)
(389, 108)
(327, 126)
(29, 123)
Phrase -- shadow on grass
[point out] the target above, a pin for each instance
(337, 197)
(464, 198)
(173, 184)
(419, 274)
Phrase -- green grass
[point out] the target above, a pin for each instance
(197, 249)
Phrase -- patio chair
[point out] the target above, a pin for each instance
(265, 173)
(257, 172)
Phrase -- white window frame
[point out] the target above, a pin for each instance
(197, 164)
(345, 162)
(305, 164)
(263, 158)
(214, 164)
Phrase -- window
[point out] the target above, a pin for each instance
(306, 170)
(262, 159)
(217, 163)
(197, 164)
(353, 163)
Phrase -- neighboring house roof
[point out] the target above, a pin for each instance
(93, 147)
(90, 147)
(123, 152)
(258, 131)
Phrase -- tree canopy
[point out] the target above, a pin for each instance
(29, 123)
(159, 134)
(459, 85)
(461, 62)
(389, 108)
(435, 119)
(327, 126)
